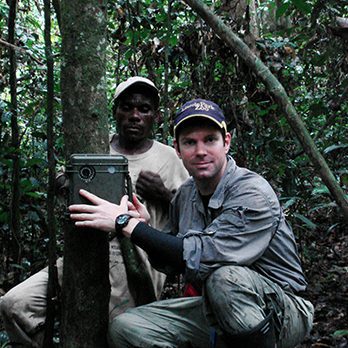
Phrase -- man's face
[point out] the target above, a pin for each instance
(134, 116)
(203, 152)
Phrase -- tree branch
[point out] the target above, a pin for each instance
(19, 49)
(11, 46)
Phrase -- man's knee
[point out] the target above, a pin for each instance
(26, 302)
(8, 304)
(230, 279)
(235, 297)
(119, 329)
(3, 306)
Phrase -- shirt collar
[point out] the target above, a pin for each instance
(218, 196)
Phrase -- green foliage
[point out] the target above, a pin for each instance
(167, 42)
(31, 117)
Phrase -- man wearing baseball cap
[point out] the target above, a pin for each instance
(229, 238)
(156, 174)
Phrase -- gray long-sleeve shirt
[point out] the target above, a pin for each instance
(243, 225)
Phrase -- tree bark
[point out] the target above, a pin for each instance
(86, 287)
(279, 93)
(51, 223)
(56, 6)
(15, 142)
(166, 75)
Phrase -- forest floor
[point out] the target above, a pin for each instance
(325, 261)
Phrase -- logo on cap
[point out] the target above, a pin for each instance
(200, 108)
(203, 106)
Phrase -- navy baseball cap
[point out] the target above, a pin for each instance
(200, 108)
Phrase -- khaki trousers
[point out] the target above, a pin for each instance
(235, 300)
(23, 308)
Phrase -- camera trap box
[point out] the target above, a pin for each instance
(106, 176)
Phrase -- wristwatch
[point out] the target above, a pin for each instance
(121, 222)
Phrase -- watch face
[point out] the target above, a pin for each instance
(122, 219)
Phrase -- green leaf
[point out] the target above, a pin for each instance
(173, 40)
(320, 190)
(306, 221)
(335, 147)
(282, 9)
(290, 201)
(302, 6)
(340, 333)
(34, 21)
(15, 265)
(26, 184)
(4, 217)
(323, 206)
(34, 194)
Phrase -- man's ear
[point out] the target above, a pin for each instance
(176, 147)
(227, 142)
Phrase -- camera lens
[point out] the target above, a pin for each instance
(87, 173)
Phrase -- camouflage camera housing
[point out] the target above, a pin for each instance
(106, 176)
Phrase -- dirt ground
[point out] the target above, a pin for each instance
(325, 262)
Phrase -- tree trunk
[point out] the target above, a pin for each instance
(86, 287)
(15, 142)
(277, 90)
(56, 6)
(166, 113)
(51, 222)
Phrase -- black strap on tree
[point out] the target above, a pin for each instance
(139, 281)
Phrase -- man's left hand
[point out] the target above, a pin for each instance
(151, 187)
